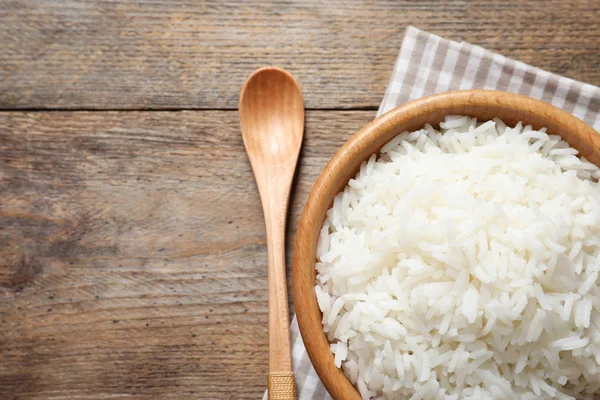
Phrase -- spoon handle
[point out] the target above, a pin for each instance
(281, 386)
(280, 382)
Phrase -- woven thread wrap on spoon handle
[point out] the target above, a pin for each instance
(281, 386)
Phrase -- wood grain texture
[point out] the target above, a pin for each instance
(481, 104)
(189, 54)
(133, 258)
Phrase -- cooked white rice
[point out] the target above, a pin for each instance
(463, 264)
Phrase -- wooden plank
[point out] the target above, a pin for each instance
(132, 253)
(189, 54)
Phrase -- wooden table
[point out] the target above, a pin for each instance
(132, 247)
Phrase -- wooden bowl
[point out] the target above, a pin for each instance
(483, 105)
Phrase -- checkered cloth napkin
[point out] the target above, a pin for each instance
(429, 64)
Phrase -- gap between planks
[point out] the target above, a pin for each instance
(172, 109)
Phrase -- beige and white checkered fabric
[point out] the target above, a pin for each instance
(429, 64)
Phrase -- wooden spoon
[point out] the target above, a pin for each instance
(272, 123)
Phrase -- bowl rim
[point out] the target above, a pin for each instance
(359, 147)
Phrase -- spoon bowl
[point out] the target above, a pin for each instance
(272, 116)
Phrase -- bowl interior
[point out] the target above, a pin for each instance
(483, 105)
